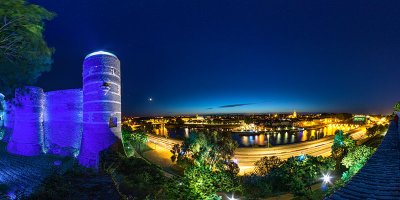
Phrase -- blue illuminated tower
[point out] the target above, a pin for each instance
(101, 106)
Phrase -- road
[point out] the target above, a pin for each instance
(248, 156)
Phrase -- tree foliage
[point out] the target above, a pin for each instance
(396, 107)
(344, 116)
(266, 164)
(179, 121)
(24, 54)
(376, 129)
(295, 175)
(355, 160)
(133, 138)
(139, 138)
(208, 167)
(299, 173)
(352, 157)
(202, 182)
(209, 148)
(139, 179)
(342, 144)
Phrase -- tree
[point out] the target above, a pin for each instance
(248, 120)
(299, 173)
(266, 164)
(202, 182)
(24, 54)
(342, 144)
(127, 138)
(344, 116)
(209, 169)
(135, 138)
(139, 138)
(355, 160)
(210, 148)
(179, 121)
(139, 179)
(372, 131)
(376, 129)
(396, 107)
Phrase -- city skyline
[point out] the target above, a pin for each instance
(234, 57)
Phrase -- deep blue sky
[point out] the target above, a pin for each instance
(201, 56)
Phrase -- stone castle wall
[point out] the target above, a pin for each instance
(75, 122)
(63, 122)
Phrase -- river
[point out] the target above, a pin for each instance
(278, 136)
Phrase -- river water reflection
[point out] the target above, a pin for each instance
(261, 139)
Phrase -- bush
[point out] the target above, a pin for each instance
(77, 183)
(139, 179)
(256, 187)
(202, 182)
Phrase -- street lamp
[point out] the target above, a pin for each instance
(326, 178)
(268, 139)
(232, 198)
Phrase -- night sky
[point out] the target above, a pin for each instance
(231, 56)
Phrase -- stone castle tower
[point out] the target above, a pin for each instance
(101, 105)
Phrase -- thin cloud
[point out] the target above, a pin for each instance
(231, 105)
(235, 105)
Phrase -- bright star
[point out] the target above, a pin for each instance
(150, 99)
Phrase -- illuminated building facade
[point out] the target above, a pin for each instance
(75, 122)
(359, 119)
